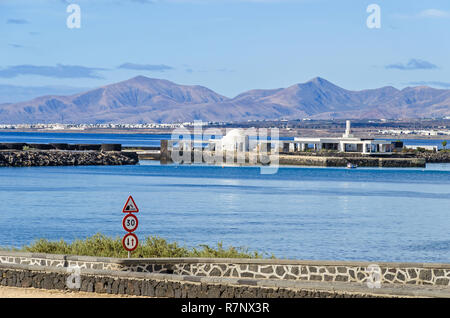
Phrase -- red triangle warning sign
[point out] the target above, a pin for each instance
(130, 206)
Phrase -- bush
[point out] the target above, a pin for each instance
(104, 246)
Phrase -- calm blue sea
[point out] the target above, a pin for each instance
(298, 213)
(132, 139)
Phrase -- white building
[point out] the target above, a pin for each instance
(234, 140)
(346, 143)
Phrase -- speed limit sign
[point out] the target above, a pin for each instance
(130, 222)
(130, 242)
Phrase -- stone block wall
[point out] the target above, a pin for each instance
(391, 273)
(160, 285)
(286, 270)
(59, 261)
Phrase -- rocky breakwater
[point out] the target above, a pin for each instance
(30, 158)
(434, 157)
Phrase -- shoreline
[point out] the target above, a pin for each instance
(157, 131)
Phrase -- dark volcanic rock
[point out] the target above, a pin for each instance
(435, 157)
(66, 158)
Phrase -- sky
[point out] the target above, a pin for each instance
(229, 46)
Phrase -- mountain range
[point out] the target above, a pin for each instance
(143, 100)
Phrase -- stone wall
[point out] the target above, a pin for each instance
(161, 285)
(332, 161)
(391, 273)
(59, 261)
(287, 270)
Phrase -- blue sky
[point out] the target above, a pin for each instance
(229, 46)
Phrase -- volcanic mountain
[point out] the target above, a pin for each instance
(142, 99)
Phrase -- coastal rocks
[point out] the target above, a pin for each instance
(435, 157)
(33, 158)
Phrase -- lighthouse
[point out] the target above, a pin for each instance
(348, 129)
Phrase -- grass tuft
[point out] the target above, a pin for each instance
(103, 246)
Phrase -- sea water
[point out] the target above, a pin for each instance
(367, 214)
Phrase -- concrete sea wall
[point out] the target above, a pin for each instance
(360, 161)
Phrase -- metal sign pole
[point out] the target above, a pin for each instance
(130, 223)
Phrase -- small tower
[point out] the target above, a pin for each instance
(348, 130)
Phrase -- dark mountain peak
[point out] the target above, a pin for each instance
(139, 78)
(318, 81)
(257, 93)
(389, 87)
(420, 88)
(385, 89)
(143, 80)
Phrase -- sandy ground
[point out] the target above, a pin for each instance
(16, 292)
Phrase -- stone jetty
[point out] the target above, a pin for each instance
(29, 155)
(323, 161)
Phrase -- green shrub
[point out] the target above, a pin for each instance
(104, 246)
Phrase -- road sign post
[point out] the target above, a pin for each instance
(130, 223)
(130, 242)
(130, 206)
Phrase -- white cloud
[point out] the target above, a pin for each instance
(434, 13)
(425, 14)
